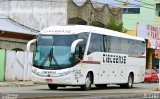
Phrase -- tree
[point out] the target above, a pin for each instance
(114, 25)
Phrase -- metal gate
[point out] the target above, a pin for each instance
(16, 66)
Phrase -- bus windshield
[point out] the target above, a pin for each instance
(54, 52)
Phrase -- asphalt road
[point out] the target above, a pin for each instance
(142, 90)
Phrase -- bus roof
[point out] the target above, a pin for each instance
(75, 29)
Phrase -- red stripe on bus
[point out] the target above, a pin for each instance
(91, 62)
(136, 56)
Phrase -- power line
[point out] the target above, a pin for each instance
(62, 1)
(136, 5)
(145, 3)
(139, 20)
(132, 4)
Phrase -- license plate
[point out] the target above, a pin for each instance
(48, 80)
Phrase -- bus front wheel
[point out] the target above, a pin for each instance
(87, 85)
(52, 86)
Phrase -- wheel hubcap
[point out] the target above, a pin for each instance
(88, 82)
(130, 81)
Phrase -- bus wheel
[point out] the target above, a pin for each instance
(101, 85)
(157, 80)
(52, 86)
(87, 85)
(129, 84)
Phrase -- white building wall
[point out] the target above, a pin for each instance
(35, 14)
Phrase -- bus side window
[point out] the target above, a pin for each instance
(82, 45)
(80, 52)
(76, 55)
(96, 43)
(106, 43)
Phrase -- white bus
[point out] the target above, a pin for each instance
(78, 55)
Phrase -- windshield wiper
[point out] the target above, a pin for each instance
(50, 56)
(44, 61)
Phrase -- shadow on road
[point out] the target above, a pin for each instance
(70, 88)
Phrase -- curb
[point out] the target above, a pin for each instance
(12, 84)
(121, 96)
(15, 85)
(145, 95)
(85, 96)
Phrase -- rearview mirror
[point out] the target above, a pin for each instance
(74, 44)
(29, 44)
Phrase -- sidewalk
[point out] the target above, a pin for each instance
(16, 83)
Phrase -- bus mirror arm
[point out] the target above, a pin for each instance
(74, 44)
(29, 44)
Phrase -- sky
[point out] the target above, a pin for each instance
(117, 3)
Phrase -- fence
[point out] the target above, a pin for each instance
(16, 67)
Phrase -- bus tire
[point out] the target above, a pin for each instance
(129, 84)
(52, 86)
(157, 80)
(88, 82)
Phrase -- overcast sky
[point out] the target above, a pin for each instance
(116, 1)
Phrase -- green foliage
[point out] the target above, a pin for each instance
(112, 25)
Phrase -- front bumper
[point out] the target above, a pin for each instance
(64, 80)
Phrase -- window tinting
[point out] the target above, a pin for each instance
(131, 10)
(83, 36)
(115, 45)
(158, 9)
(124, 46)
(111, 44)
(96, 43)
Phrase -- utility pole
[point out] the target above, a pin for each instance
(90, 18)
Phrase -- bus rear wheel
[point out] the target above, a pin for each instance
(157, 80)
(129, 84)
(87, 85)
(52, 86)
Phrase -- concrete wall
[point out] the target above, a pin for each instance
(35, 14)
(88, 13)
